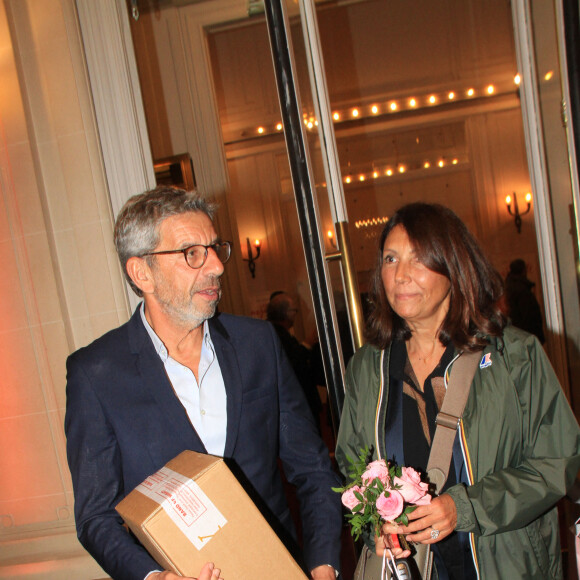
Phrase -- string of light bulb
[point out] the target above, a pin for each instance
(377, 221)
(397, 105)
(391, 170)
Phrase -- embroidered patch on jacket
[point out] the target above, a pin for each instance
(485, 361)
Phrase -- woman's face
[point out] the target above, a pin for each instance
(418, 295)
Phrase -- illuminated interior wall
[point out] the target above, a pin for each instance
(60, 285)
(33, 488)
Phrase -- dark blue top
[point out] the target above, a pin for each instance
(408, 445)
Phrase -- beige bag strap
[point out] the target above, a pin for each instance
(449, 417)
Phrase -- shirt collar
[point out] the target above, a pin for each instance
(158, 343)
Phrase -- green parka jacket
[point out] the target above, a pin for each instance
(520, 443)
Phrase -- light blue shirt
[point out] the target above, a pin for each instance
(205, 403)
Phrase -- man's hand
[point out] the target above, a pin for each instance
(208, 572)
(323, 573)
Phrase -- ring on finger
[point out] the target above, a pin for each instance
(435, 534)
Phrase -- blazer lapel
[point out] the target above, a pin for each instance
(155, 381)
(230, 370)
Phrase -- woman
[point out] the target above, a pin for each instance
(434, 295)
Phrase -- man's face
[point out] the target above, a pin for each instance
(186, 296)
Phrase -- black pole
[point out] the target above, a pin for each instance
(305, 203)
(572, 40)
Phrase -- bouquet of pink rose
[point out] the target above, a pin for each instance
(380, 492)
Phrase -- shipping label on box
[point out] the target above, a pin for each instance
(185, 503)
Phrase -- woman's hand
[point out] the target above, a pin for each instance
(426, 520)
(388, 540)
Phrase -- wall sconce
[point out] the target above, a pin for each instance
(251, 259)
(330, 236)
(516, 212)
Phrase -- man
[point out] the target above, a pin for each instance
(177, 376)
(523, 307)
(281, 312)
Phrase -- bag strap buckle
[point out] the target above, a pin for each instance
(447, 420)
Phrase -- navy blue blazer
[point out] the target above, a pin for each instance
(124, 422)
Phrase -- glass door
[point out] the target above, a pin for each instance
(549, 62)
(425, 104)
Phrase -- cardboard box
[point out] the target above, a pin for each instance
(194, 511)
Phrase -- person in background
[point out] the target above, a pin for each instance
(523, 308)
(305, 360)
(179, 376)
(517, 448)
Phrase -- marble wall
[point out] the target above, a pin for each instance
(61, 285)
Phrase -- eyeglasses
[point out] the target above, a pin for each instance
(196, 255)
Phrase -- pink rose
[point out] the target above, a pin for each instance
(376, 469)
(348, 498)
(425, 500)
(390, 507)
(411, 487)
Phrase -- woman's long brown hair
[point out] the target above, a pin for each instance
(444, 245)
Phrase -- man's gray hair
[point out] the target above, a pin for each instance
(139, 221)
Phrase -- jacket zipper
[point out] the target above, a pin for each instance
(379, 405)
